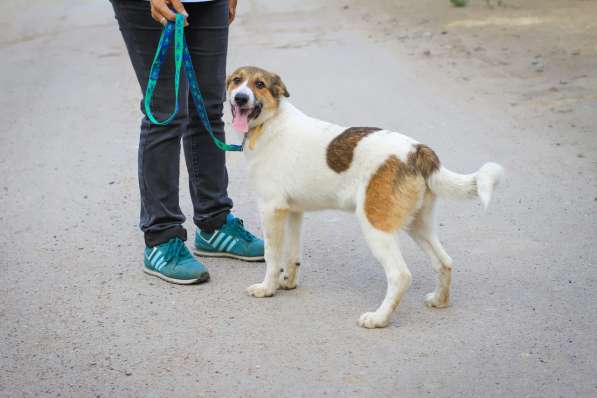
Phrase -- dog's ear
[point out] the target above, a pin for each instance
(278, 87)
(228, 80)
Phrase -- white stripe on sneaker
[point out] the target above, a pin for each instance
(231, 245)
(156, 259)
(152, 253)
(216, 233)
(217, 241)
(161, 264)
(224, 243)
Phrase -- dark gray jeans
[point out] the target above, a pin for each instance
(159, 146)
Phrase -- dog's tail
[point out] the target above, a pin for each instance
(448, 184)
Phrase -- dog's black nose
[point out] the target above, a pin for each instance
(241, 99)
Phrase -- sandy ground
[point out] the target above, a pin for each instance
(512, 83)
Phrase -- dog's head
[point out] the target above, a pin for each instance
(254, 96)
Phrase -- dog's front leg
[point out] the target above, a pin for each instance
(289, 276)
(274, 222)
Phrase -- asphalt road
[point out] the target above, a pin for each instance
(79, 318)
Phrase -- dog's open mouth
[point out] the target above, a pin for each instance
(241, 116)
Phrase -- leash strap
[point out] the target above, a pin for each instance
(154, 72)
(182, 57)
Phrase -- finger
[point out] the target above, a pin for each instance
(165, 11)
(177, 4)
(158, 17)
(231, 10)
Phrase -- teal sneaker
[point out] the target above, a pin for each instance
(172, 262)
(231, 240)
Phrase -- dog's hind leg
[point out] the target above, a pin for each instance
(383, 206)
(274, 222)
(422, 230)
(385, 248)
(289, 275)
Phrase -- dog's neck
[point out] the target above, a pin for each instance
(253, 135)
(270, 123)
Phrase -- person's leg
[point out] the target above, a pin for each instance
(207, 38)
(166, 255)
(159, 146)
(219, 232)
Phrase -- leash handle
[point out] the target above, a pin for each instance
(154, 72)
(182, 57)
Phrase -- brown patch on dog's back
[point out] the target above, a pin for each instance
(341, 150)
(392, 194)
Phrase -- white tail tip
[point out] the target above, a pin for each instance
(488, 176)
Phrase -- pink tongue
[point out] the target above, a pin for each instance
(240, 120)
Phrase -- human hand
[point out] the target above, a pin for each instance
(161, 11)
(231, 10)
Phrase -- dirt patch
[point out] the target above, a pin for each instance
(536, 58)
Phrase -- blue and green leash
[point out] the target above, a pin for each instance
(181, 57)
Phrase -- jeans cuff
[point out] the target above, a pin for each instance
(154, 238)
(212, 223)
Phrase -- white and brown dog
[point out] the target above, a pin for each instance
(389, 180)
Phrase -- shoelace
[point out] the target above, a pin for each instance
(174, 250)
(239, 227)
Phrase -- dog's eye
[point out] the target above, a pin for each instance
(236, 80)
(259, 84)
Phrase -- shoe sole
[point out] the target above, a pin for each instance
(202, 279)
(228, 255)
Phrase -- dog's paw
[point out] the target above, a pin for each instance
(284, 285)
(434, 300)
(371, 320)
(259, 290)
